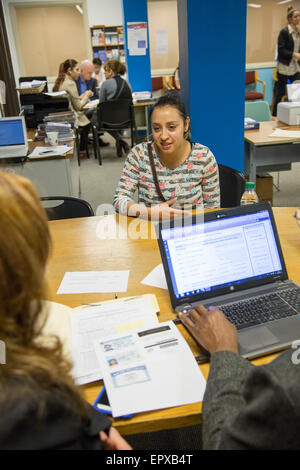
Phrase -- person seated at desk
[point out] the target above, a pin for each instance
(115, 88)
(182, 173)
(245, 406)
(85, 80)
(40, 406)
(66, 81)
(98, 71)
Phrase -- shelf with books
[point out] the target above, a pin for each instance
(108, 43)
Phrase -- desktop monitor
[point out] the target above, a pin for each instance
(13, 137)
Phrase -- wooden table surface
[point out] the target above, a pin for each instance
(262, 136)
(41, 143)
(80, 245)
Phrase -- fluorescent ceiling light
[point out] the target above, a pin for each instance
(254, 5)
(284, 1)
(79, 9)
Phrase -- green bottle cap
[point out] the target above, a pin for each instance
(250, 185)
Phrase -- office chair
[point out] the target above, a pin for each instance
(252, 79)
(114, 115)
(258, 110)
(232, 186)
(67, 207)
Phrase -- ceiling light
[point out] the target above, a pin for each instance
(254, 5)
(79, 9)
(284, 1)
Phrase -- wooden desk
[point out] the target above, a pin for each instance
(141, 111)
(52, 176)
(264, 153)
(78, 246)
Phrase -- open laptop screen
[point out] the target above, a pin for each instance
(11, 132)
(229, 251)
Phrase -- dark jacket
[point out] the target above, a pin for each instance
(90, 85)
(60, 427)
(252, 407)
(285, 46)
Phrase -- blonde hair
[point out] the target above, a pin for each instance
(24, 249)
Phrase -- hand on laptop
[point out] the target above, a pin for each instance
(211, 329)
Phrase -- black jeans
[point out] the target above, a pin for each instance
(280, 88)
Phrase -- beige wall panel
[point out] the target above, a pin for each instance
(163, 16)
(48, 36)
(263, 26)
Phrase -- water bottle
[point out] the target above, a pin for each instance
(249, 196)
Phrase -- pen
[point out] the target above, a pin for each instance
(47, 151)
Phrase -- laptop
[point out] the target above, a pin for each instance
(232, 259)
(13, 137)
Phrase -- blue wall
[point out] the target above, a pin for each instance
(212, 43)
(139, 68)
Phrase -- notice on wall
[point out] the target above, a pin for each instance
(137, 38)
(162, 41)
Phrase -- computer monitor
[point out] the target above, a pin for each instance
(13, 137)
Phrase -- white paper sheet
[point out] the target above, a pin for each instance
(285, 133)
(50, 151)
(156, 278)
(78, 282)
(149, 369)
(101, 321)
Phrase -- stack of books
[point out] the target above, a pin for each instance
(65, 116)
(251, 124)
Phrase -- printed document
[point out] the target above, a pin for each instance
(104, 320)
(82, 282)
(156, 278)
(149, 369)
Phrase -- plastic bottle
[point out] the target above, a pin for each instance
(249, 196)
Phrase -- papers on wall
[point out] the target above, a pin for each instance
(156, 278)
(137, 38)
(162, 41)
(149, 369)
(99, 321)
(52, 151)
(285, 133)
(93, 281)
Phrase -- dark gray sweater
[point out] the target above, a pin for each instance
(252, 407)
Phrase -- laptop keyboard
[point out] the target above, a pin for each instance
(262, 309)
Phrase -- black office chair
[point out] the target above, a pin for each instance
(232, 186)
(114, 115)
(67, 208)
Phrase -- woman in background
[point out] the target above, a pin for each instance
(66, 81)
(40, 406)
(115, 88)
(171, 173)
(288, 46)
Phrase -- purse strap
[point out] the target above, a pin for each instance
(154, 173)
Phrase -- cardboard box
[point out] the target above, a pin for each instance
(264, 187)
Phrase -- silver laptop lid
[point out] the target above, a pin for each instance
(13, 137)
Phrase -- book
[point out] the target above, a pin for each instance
(251, 123)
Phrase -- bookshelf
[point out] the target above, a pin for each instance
(108, 43)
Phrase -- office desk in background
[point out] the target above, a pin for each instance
(78, 246)
(52, 176)
(264, 153)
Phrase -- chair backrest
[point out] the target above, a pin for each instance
(157, 83)
(232, 186)
(66, 207)
(258, 110)
(250, 77)
(116, 114)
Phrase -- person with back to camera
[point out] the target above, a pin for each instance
(186, 173)
(66, 81)
(40, 406)
(115, 88)
(245, 407)
(288, 46)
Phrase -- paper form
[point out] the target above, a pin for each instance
(285, 133)
(78, 282)
(52, 151)
(149, 369)
(100, 321)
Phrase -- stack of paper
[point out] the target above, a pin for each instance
(53, 151)
(149, 369)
